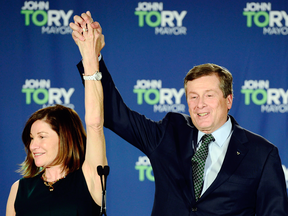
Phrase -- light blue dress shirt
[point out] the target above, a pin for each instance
(217, 152)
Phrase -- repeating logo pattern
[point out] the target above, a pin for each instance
(162, 99)
(273, 100)
(41, 93)
(165, 22)
(50, 21)
(273, 22)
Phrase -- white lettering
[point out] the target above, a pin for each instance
(256, 6)
(56, 30)
(55, 95)
(284, 95)
(275, 18)
(34, 5)
(148, 6)
(167, 17)
(169, 31)
(180, 17)
(283, 108)
(166, 95)
(54, 16)
(275, 31)
(144, 161)
(254, 84)
(66, 17)
(147, 84)
(285, 16)
(273, 96)
(32, 83)
(169, 108)
(178, 95)
(67, 95)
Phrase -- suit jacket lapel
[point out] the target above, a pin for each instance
(235, 153)
(186, 152)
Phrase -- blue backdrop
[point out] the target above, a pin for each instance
(149, 49)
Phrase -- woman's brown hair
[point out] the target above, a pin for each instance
(72, 139)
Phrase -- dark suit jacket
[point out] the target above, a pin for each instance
(251, 179)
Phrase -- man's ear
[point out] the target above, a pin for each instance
(229, 101)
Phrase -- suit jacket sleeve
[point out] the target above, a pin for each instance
(271, 193)
(136, 129)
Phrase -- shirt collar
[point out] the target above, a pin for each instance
(220, 134)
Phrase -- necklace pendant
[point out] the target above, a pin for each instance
(49, 184)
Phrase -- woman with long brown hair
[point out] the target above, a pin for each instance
(60, 171)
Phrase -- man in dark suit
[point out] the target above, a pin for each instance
(241, 172)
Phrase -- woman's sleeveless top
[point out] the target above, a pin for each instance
(70, 197)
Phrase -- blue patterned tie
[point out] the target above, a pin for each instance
(198, 164)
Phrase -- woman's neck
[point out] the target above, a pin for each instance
(54, 173)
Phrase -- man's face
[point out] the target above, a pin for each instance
(207, 106)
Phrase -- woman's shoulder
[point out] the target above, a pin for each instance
(28, 182)
(11, 199)
(14, 187)
(15, 184)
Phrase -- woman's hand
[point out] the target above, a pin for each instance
(92, 45)
(79, 34)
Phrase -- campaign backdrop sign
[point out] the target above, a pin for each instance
(150, 46)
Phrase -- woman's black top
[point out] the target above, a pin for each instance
(70, 197)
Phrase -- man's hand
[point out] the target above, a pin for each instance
(80, 23)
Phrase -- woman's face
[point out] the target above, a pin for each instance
(44, 144)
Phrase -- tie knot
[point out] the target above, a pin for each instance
(207, 138)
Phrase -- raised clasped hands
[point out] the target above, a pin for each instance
(88, 36)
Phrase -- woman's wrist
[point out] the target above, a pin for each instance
(90, 67)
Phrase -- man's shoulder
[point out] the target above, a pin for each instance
(176, 115)
(178, 118)
(253, 138)
(257, 137)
